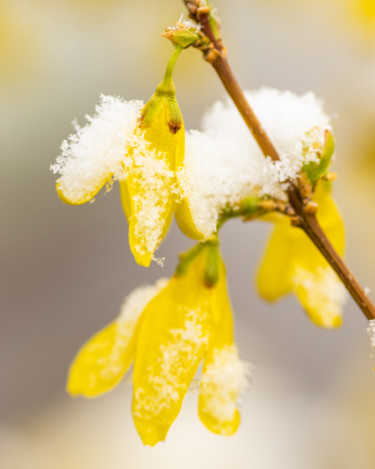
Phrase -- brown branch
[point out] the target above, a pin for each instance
(307, 221)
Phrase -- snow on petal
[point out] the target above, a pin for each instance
(95, 154)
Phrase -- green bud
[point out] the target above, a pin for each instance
(182, 36)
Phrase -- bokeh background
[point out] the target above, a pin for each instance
(65, 270)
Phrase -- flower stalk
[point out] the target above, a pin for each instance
(304, 218)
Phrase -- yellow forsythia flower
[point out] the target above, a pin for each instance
(138, 146)
(292, 263)
(167, 330)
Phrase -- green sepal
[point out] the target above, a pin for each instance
(187, 258)
(183, 37)
(248, 207)
(212, 266)
(314, 170)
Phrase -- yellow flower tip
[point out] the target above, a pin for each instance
(141, 256)
(321, 294)
(265, 290)
(225, 428)
(62, 196)
(144, 242)
(224, 379)
(151, 432)
(72, 198)
(324, 321)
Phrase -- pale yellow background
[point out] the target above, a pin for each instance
(65, 270)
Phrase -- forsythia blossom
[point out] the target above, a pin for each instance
(292, 263)
(223, 163)
(140, 146)
(167, 330)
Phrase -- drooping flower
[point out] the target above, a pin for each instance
(137, 145)
(292, 263)
(167, 330)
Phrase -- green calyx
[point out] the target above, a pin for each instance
(211, 266)
(187, 258)
(247, 208)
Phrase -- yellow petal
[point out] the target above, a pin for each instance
(274, 275)
(183, 213)
(147, 193)
(176, 329)
(105, 358)
(224, 375)
(82, 194)
(125, 199)
(185, 221)
(321, 294)
(102, 361)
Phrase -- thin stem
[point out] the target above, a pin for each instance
(307, 221)
(168, 76)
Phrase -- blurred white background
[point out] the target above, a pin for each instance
(65, 270)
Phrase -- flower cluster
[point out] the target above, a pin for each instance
(169, 328)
